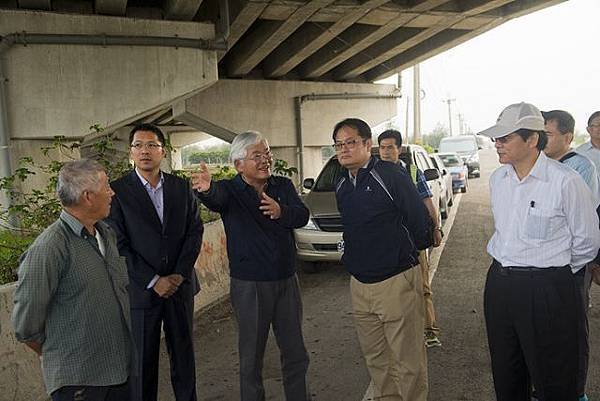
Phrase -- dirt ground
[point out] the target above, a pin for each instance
(459, 370)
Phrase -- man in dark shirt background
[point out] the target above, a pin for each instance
(259, 212)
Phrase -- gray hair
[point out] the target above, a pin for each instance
(76, 177)
(241, 143)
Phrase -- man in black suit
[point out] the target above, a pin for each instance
(159, 231)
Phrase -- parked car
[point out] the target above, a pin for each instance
(458, 170)
(320, 239)
(467, 148)
(447, 189)
(415, 154)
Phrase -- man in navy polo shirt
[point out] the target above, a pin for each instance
(382, 215)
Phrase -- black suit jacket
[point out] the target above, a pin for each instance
(155, 248)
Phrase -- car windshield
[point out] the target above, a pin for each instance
(326, 180)
(459, 145)
(451, 160)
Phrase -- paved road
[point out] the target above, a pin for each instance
(459, 370)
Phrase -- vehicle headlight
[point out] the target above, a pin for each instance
(310, 225)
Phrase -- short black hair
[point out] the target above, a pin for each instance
(390, 133)
(147, 127)
(362, 127)
(564, 120)
(526, 133)
(594, 115)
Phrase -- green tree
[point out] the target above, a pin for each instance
(435, 136)
(34, 210)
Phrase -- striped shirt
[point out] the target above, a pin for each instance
(591, 152)
(547, 219)
(74, 302)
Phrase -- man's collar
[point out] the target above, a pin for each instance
(240, 184)
(539, 169)
(145, 182)
(75, 225)
(589, 145)
(365, 166)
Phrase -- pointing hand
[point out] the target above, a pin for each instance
(201, 179)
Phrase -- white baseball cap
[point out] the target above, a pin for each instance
(515, 117)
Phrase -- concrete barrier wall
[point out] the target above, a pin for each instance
(20, 374)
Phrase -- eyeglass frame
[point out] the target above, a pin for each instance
(151, 146)
(259, 157)
(505, 139)
(349, 144)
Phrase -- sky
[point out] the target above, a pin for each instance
(550, 58)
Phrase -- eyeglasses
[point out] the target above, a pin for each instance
(504, 139)
(151, 146)
(349, 144)
(257, 158)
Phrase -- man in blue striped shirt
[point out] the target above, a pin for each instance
(560, 126)
(390, 144)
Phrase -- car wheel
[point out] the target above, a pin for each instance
(451, 198)
(444, 211)
(463, 189)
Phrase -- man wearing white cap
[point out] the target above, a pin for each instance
(546, 230)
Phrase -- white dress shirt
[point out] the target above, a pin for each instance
(547, 219)
(157, 198)
(592, 153)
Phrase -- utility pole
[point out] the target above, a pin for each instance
(461, 124)
(406, 118)
(449, 102)
(417, 103)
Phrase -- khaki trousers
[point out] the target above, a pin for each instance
(430, 323)
(389, 323)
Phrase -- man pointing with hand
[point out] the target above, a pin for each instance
(259, 212)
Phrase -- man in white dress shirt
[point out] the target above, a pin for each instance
(546, 230)
(591, 148)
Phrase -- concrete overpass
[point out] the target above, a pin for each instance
(289, 68)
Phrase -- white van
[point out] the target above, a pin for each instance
(467, 148)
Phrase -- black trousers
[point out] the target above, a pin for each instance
(258, 305)
(92, 393)
(175, 315)
(533, 321)
(584, 345)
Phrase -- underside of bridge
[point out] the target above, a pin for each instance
(288, 68)
(332, 40)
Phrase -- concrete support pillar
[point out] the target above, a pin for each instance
(269, 107)
(64, 89)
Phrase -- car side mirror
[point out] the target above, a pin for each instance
(479, 147)
(308, 183)
(431, 174)
(444, 172)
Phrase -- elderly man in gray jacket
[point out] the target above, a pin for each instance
(71, 302)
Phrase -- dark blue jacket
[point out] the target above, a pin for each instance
(380, 224)
(259, 249)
